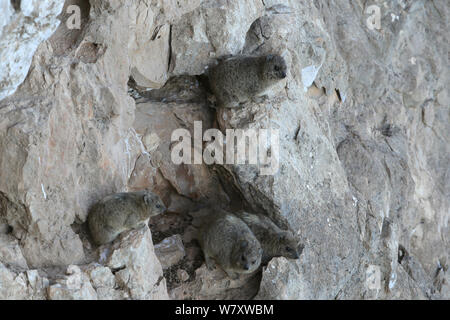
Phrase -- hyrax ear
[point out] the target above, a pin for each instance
(147, 199)
(300, 248)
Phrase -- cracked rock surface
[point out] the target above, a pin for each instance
(364, 128)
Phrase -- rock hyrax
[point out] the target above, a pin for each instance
(121, 212)
(274, 241)
(228, 241)
(238, 79)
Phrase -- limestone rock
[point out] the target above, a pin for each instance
(363, 121)
(282, 280)
(214, 29)
(170, 251)
(194, 182)
(182, 275)
(150, 47)
(137, 269)
(24, 25)
(215, 284)
(11, 253)
(75, 285)
(13, 286)
(358, 166)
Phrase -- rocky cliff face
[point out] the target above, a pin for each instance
(364, 126)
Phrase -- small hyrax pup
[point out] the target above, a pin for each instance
(241, 78)
(274, 241)
(227, 240)
(121, 212)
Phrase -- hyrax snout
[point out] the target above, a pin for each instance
(120, 212)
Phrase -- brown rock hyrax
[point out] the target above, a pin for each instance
(274, 241)
(241, 78)
(228, 241)
(121, 212)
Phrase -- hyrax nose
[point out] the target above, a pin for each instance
(283, 75)
(246, 267)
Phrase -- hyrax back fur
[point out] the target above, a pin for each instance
(238, 79)
(274, 241)
(121, 212)
(228, 241)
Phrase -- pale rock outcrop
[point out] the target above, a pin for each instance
(214, 29)
(23, 26)
(170, 251)
(75, 285)
(156, 121)
(216, 285)
(11, 253)
(282, 279)
(363, 124)
(26, 285)
(136, 268)
(150, 40)
(356, 165)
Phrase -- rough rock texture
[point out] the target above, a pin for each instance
(136, 267)
(170, 251)
(364, 124)
(126, 269)
(23, 26)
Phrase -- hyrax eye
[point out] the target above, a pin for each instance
(288, 249)
(277, 68)
(243, 258)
